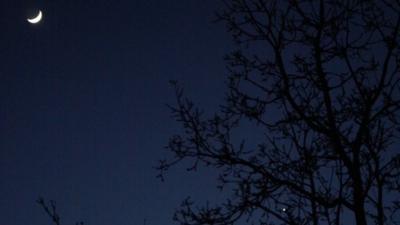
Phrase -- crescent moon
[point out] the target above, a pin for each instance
(36, 19)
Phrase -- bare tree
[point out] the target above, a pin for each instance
(319, 79)
(50, 208)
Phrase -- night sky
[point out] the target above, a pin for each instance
(83, 106)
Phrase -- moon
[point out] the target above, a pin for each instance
(36, 19)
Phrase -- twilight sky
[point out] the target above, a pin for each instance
(83, 119)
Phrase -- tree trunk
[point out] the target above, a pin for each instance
(359, 210)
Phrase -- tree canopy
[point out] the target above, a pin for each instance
(319, 80)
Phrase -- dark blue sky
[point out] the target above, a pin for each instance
(83, 117)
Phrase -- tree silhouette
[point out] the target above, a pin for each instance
(50, 208)
(319, 81)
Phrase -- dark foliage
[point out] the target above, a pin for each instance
(320, 80)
